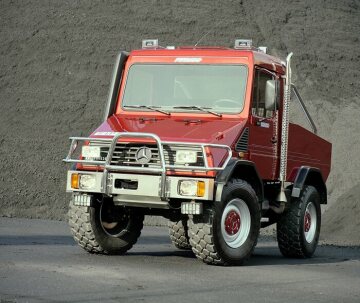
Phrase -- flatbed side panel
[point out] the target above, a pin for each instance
(307, 149)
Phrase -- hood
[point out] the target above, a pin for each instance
(202, 130)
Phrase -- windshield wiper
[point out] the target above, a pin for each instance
(155, 108)
(203, 109)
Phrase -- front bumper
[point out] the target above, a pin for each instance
(146, 193)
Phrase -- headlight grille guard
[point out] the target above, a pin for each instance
(163, 166)
(158, 170)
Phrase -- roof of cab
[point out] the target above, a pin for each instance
(258, 57)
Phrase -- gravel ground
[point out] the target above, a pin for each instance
(56, 61)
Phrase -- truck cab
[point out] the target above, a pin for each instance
(201, 136)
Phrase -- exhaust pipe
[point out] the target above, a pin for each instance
(284, 135)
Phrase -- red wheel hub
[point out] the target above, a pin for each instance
(232, 222)
(307, 221)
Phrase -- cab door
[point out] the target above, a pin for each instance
(263, 128)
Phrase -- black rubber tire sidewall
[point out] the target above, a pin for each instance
(237, 189)
(116, 245)
(290, 228)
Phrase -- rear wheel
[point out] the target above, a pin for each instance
(105, 228)
(178, 231)
(229, 234)
(298, 229)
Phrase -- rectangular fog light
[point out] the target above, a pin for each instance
(191, 188)
(191, 208)
(87, 181)
(90, 151)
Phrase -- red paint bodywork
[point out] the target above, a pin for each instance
(305, 148)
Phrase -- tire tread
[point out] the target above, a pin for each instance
(178, 231)
(80, 226)
(202, 236)
(289, 231)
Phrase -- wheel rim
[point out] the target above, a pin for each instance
(113, 228)
(310, 222)
(235, 223)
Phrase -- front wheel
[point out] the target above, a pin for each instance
(299, 228)
(105, 228)
(232, 235)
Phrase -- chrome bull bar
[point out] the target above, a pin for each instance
(163, 166)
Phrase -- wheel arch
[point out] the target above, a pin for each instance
(241, 169)
(309, 176)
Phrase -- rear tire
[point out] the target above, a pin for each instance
(95, 235)
(298, 229)
(178, 231)
(228, 235)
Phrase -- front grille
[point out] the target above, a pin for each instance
(125, 155)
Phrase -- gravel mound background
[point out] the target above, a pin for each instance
(56, 63)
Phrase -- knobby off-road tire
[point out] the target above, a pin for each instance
(178, 231)
(89, 233)
(298, 229)
(227, 235)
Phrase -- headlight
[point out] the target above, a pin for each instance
(186, 156)
(90, 151)
(87, 182)
(192, 188)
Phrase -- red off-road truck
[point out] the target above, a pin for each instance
(201, 136)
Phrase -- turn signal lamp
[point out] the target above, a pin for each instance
(201, 189)
(75, 181)
(241, 155)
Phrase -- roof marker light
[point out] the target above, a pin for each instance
(243, 43)
(150, 43)
(263, 49)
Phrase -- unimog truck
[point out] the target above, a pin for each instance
(200, 136)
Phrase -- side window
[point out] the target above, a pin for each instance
(258, 103)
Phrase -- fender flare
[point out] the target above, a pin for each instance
(309, 176)
(234, 168)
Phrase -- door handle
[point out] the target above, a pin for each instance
(273, 140)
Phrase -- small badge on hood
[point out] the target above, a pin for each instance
(188, 60)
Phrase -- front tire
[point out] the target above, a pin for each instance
(298, 229)
(178, 231)
(230, 235)
(104, 228)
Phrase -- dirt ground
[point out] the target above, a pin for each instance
(56, 61)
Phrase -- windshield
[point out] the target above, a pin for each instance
(175, 87)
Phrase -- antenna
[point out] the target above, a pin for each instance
(216, 24)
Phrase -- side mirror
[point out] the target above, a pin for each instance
(271, 94)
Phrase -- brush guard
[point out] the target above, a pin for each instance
(161, 170)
